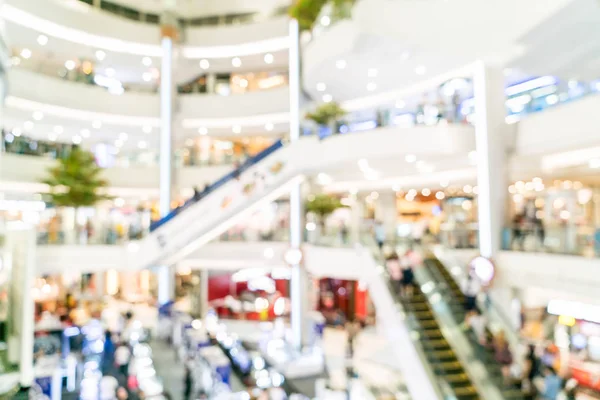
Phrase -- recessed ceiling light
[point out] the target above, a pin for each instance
(325, 20)
(321, 87)
(15, 60)
(236, 129)
(147, 129)
(269, 58)
(204, 64)
(400, 104)
(38, 115)
(341, 64)
(236, 62)
(70, 65)
(147, 76)
(110, 72)
(372, 73)
(26, 53)
(327, 98)
(371, 86)
(16, 132)
(203, 130)
(123, 136)
(410, 158)
(28, 125)
(100, 55)
(420, 70)
(269, 126)
(76, 139)
(118, 143)
(42, 40)
(405, 55)
(85, 133)
(58, 129)
(147, 61)
(52, 137)
(243, 83)
(142, 144)
(96, 124)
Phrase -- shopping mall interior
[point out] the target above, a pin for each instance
(299, 199)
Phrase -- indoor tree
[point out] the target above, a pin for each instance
(327, 114)
(75, 182)
(322, 205)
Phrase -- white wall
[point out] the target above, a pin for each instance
(565, 127)
(236, 34)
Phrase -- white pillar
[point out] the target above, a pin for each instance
(357, 211)
(490, 129)
(298, 279)
(211, 83)
(386, 211)
(166, 283)
(22, 248)
(203, 293)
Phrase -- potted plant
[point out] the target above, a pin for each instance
(327, 115)
(323, 205)
(75, 182)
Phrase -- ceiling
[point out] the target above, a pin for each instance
(198, 8)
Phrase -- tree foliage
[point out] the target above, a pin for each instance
(307, 11)
(326, 113)
(323, 204)
(75, 180)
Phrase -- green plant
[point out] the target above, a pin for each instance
(306, 12)
(322, 205)
(326, 113)
(75, 180)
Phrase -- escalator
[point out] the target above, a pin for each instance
(438, 351)
(260, 180)
(454, 298)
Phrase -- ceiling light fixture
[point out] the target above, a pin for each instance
(203, 130)
(204, 64)
(321, 87)
(76, 139)
(28, 125)
(405, 56)
(42, 40)
(236, 62)
(325, 20)
(96, 124)
(52, 137)
(420, 70)
(147, 61)
(100, 55)
(58, 129)
(147, 76)
(85, 133)
(16, 132)
(147, 129)
(410, 158)
(327, 98)
(371, 86)
(341, 64)
(26, 53)
(269, 58)
(269, 126)
(372, 72)
(236, 129)
(123, 136)
(38, 115)
(142, 144)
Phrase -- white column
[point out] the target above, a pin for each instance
(357, 211)
(211, 83)
(166, 283)
(203, 293)
(490, 137)
(298, 279)
(387, 212)
(22, 248)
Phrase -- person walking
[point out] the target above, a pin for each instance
(471, 289)
(408, 276)
(379, 235)
(552, 384)
(187, 383)
(503, 356)
(122, 357)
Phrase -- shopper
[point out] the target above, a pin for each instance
(408, 276)
(478, 324)
(122, 357)
(344, 233)
(380, 234)
(503, 355)
(552, 384)
(471, 289)
(187, 383)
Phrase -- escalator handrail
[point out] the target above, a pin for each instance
(250, 162)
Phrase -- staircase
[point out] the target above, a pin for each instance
(455, 299)
(437, 349)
